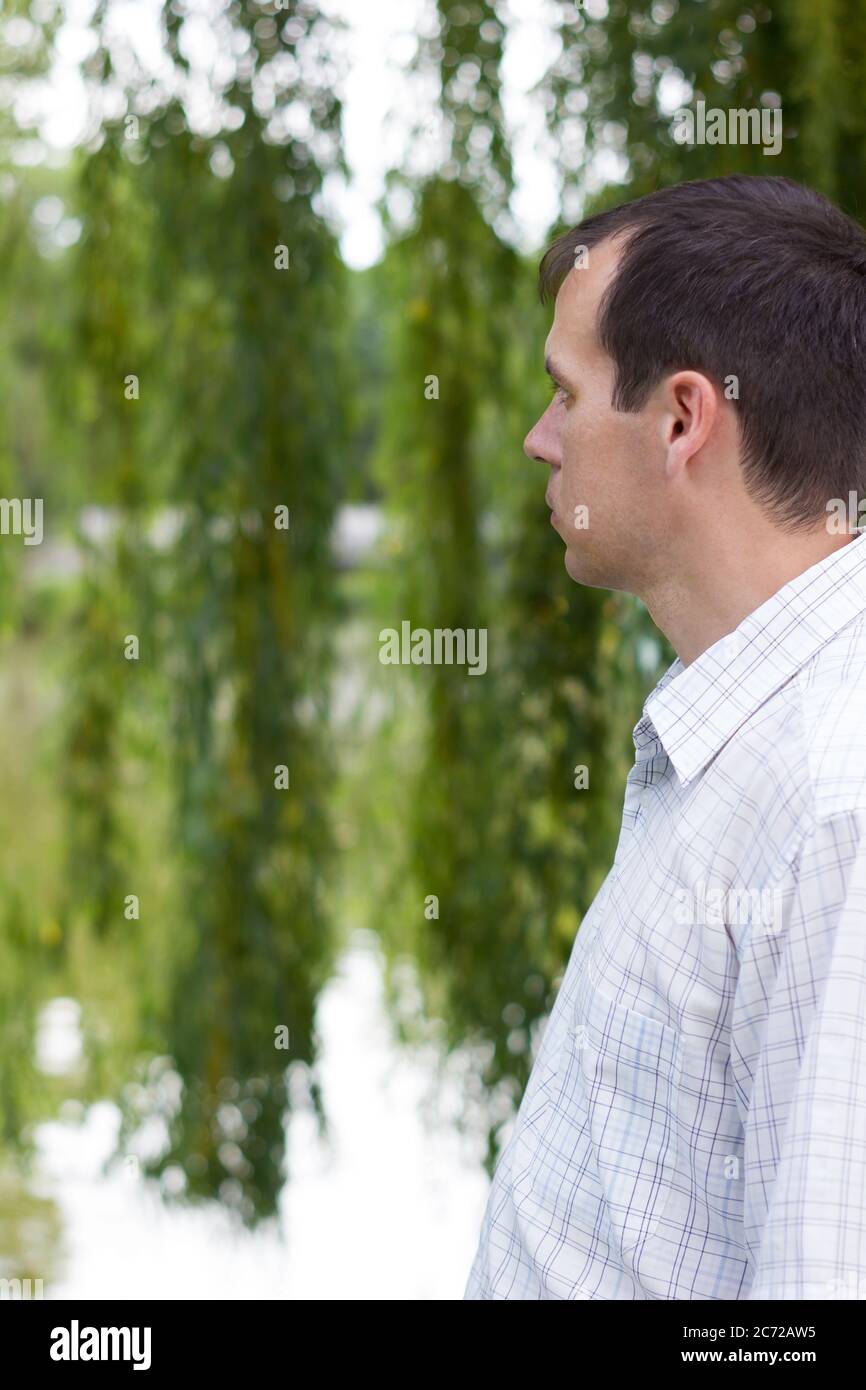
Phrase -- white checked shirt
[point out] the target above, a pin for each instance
(694, 1126)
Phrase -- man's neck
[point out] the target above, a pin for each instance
(700, 603)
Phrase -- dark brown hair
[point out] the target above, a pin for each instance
(754, 277)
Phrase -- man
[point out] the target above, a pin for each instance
(694, 1126)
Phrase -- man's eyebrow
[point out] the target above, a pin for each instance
(553, 371)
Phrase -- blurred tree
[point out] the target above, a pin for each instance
(610, 91)
(500, 835)
(113, 340)
(34, 312)
(238, 411)
(269, 377)
(256, 398)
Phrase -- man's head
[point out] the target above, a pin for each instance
(709, 346)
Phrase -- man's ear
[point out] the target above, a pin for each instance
(690, 408)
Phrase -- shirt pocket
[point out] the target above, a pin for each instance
(621, 1070)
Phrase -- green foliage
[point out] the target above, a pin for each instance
(260, 388)
(808, 58)
(498, 834)
(249, 369)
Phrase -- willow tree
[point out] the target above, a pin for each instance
(449, 278)
(611, 89)
(35, 310)
(111, 350)
(235, 419)
(505, 850)
(256, 411)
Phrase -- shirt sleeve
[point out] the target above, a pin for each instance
(799, 1060)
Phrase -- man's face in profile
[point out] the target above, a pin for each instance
(605, 461)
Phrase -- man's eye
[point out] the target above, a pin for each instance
(558, 392)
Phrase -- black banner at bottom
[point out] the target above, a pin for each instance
(245, 1337)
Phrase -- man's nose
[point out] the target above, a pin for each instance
(535, 445)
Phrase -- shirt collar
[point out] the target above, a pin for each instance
(694, 710)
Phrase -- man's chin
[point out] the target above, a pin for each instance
(579, 567)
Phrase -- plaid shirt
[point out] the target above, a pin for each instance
(694, 1126)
